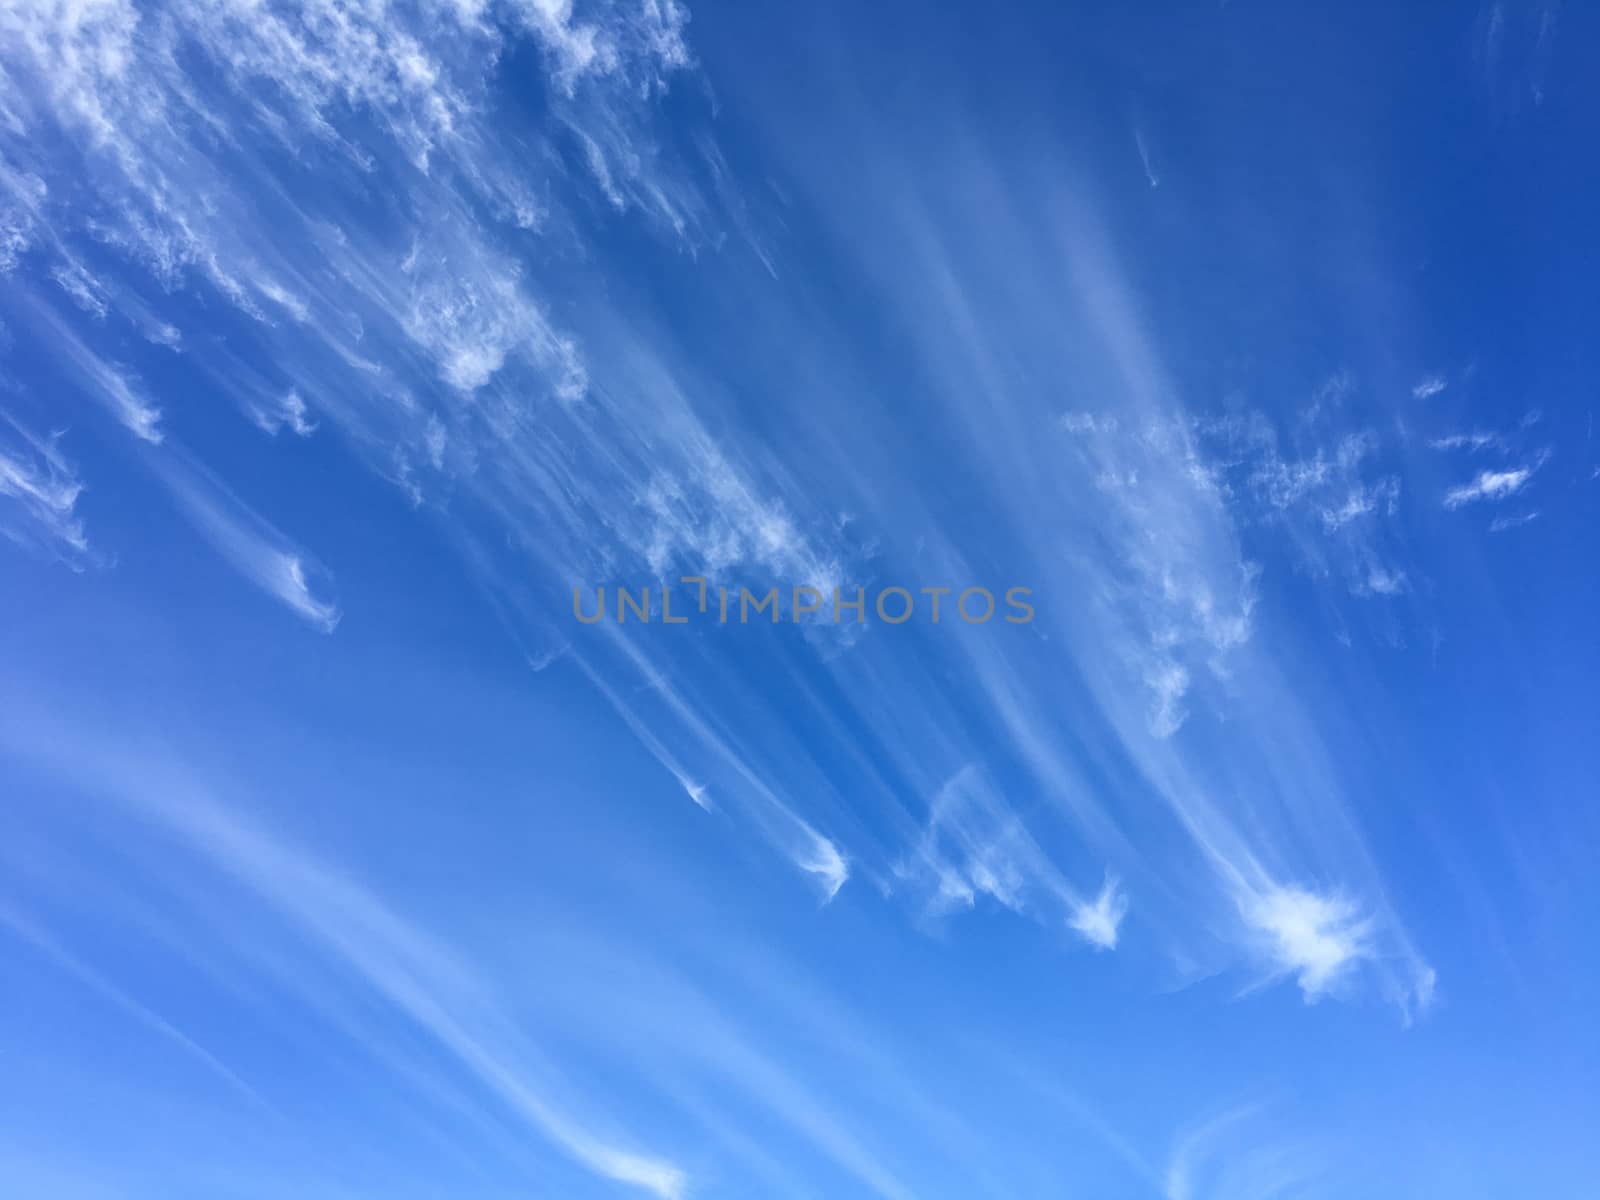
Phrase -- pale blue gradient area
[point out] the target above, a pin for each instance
(339, 344)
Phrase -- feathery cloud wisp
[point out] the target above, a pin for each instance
(249, 543)
(1100, 921)
(1474, 441)
(335, 922)
(44, 489)
(1502, 524)
(1489, 485)
(975, 845)
(1317, 938)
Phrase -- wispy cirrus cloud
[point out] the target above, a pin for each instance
(1242, 1152)
(249, 543)
(421, 331)
(1513, 45)
(43, 943)
(336, 923)
(106, 383)
(578, 442)
(1502, 524)
(1474, 441)
(1493, 485)
(975, 845)
(288, 412)
(1317, 938)
(1490, 485)
(1156, 523)
(1099, 920)
(455, 239)
(775, 817)
(1381, 581)
(41, 488)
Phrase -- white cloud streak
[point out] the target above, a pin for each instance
(76, 968)
(1240, 1155)
(108, 384)
(42, 488)
(1489, 486)
(975, 845)
(1509, 522)
(1475, 441)
(343, 923)
(1149, 509)
(249, 543)
(583, 446)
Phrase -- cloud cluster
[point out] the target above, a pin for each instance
(1317, 938)
(415, 266)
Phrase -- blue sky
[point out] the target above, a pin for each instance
(340, 342)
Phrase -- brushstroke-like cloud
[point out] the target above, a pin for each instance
(41, 489)
(976, 846)
(1489, 485)
(250, 544)
(339, 923)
